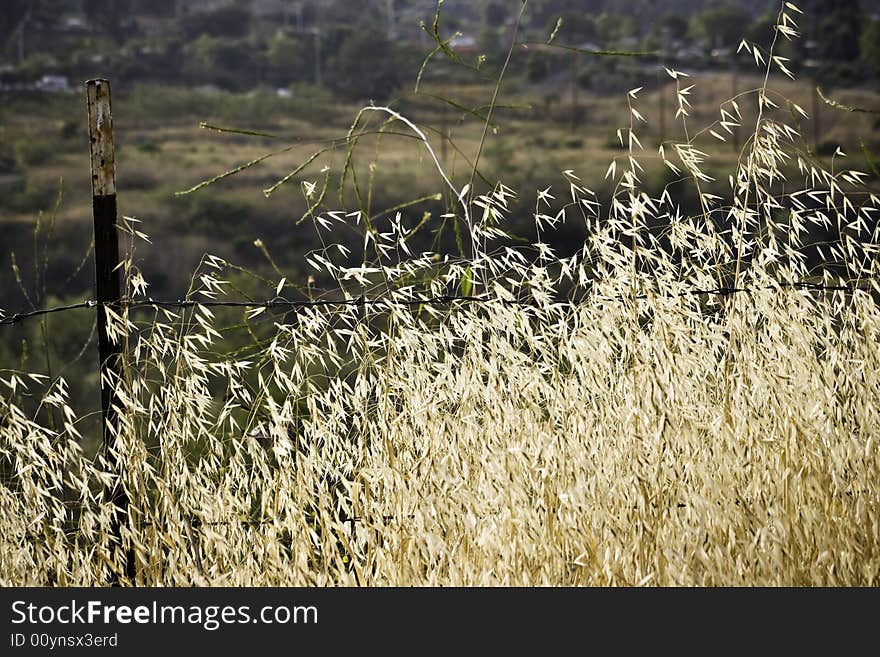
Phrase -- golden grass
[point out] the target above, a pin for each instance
(593, 421)
(607, 443)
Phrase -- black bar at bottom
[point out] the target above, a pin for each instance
(413, 621)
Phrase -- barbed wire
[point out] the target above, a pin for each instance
(21, 316)
(275, 304)
(269, 305)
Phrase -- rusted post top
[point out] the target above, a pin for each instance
(101, 148)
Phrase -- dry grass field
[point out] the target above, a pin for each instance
(683, 399)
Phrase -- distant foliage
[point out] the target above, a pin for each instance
(229, 21)
(367, 67)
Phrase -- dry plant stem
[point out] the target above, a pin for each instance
(492, 104)
(743, 227)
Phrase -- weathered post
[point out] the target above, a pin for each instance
(108, 287)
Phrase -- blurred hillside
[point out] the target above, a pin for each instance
(369, 49)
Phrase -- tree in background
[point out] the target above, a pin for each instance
(232, 64)
(366, 67)
(676, 26)
(19, 18)
(288, 58)
(721, 26)
(836, 28)
(669, 31)
(156, 7)
(612, 27)
(108, 16)
(762, 28)
(231, 21)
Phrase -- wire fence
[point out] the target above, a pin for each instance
(275, 304)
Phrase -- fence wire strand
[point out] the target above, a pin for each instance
(274, 304)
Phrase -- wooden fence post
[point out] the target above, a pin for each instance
(108, 288)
